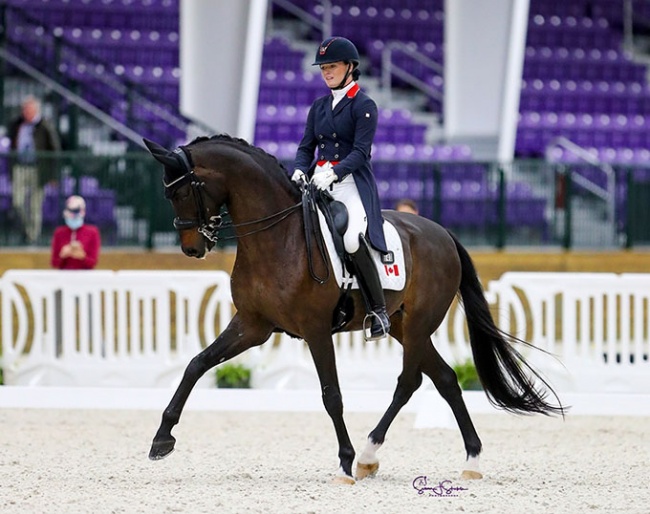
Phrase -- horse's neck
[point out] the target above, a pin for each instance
(246, 204)
(260, 205)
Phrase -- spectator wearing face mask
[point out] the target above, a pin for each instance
(76, 244)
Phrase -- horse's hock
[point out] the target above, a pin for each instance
(141, 328)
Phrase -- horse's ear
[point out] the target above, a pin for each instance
(161, 154)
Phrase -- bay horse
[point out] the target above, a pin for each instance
(273, 289)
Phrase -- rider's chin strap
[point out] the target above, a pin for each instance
(347, 74)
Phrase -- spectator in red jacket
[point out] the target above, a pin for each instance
(75, 245)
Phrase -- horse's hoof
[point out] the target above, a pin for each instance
(160, 449)
(343, 479)
(469, 474)
(366, 470)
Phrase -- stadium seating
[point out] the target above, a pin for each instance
(577, 83)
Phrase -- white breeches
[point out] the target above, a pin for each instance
(346, 192)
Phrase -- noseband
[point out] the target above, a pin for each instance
(209, 226)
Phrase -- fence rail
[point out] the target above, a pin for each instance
(127, 328)
(134, 328)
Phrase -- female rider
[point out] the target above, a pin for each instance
(335, 153)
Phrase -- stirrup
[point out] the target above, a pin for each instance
(381, 328)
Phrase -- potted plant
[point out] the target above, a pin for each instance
(467, 376)
(231, 375)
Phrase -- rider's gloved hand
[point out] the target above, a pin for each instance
(298, 177)
(324, 176)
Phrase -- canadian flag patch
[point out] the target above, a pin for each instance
(392, 270)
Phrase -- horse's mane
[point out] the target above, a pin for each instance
(245, 146)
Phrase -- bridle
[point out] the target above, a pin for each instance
(209, 226)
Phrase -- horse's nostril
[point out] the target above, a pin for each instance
(190, 252)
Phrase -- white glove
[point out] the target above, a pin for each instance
(323, 176)
(322, 169)
(323, 180)
(298, 177)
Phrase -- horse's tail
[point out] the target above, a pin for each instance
(507, 378)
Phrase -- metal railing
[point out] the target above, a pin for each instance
(72, 97)
(389, 69)
(51, 60)
(607, 194)
(323, 24)
(486, 204)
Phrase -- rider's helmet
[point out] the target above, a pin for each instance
(335, 49)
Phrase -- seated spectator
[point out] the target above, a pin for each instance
(75, 245)
(407, 205)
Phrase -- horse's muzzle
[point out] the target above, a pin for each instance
(192, 251)
(194, 244)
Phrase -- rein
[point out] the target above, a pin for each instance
(312, 224)
(209, 227)
(281, 215)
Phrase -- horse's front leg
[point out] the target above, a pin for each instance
(235, 339)
(322, 351)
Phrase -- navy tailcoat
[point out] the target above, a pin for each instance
(344, 135)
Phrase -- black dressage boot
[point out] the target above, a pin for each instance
(371, 290)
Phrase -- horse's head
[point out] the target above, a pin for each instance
(197, 213)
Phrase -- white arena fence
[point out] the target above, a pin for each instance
(141, 328)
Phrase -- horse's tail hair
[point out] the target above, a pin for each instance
(508, 380)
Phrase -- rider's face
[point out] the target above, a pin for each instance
(333, 73)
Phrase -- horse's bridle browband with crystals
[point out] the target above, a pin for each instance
(209, 227)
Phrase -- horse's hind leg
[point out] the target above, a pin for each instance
(446, 382)
(235, 339)
(407, 383)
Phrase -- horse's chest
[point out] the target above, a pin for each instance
(254, 288)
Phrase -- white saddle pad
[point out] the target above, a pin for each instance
(392, 276)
